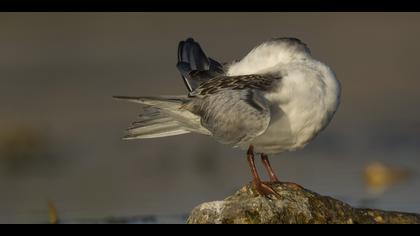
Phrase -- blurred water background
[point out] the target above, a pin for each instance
(60, 131)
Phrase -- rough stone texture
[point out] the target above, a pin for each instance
(296, 205)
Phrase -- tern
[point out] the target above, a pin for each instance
(275, 99)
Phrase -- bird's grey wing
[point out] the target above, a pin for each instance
(194, 66)
(262, 83)
(233, 108)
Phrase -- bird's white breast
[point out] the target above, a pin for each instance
(303, 104)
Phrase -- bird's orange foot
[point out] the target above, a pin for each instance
(265, 190)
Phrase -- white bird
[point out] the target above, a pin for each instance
(277, 98)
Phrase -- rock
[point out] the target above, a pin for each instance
(295, 205)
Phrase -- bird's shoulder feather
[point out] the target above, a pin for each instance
(240, 82)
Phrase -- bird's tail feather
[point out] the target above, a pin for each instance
(161, 117)
(155, 130)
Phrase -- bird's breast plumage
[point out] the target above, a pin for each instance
(302, 105)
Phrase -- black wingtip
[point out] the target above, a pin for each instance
(190, 39)
(191, 57)
(180, 46)
(183, 48)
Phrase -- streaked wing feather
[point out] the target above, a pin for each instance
(215, 85)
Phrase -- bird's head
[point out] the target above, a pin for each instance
(270, 54)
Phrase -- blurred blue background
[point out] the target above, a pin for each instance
(60, 131)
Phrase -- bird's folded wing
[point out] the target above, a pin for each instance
(233, 108)
(240, 82)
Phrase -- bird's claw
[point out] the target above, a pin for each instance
(265, 190)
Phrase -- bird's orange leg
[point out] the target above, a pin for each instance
(266, 162)
(261, 187)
